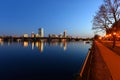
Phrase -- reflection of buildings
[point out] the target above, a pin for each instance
(1, 41)
(40, 46)
(25, 43)
(19, 40)
(33, 44)
(41, 32)
(65, 45)
(8, 43)
(36, 44)
(61, 45)
(53, 43)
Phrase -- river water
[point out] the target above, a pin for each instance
(41, 60)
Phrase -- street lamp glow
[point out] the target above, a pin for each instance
(100, 37)
(114, 33)
(106, 35)
(109, 34)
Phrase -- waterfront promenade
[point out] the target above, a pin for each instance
(105, 64)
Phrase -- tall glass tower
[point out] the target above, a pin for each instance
(41, 32)
(64, 34)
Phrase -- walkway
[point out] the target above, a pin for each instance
(105, 64)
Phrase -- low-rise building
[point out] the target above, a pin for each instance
(25, 35)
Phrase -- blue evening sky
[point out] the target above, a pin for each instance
(55, 16)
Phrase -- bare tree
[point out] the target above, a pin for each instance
(113, 8)
(108, 14)
(100, 21)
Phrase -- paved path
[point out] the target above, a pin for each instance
(99, 70)
(108, 66)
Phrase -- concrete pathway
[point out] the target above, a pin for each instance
(109, 63)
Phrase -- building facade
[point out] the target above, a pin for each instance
(32, 35)
(64, 34)
(25, 35)
(41, 32)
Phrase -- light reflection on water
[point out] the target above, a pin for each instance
(40, 44)
(58, 61)
(1, 41)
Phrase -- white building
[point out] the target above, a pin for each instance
(25, 35)
(37, 35)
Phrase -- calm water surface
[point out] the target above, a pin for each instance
(41, 61)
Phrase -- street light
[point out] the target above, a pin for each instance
(100, 37)
(114, 33)
(109, 35)
(106, 35)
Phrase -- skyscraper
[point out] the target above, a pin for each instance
(64, 34)
(41, 32)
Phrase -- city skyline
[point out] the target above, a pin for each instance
(55, 16)
(40, 34)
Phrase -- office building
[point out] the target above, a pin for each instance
(60, 36)
(64, 34)
(32, 35)
(41, 32)
(25, 35)
(37, 35)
